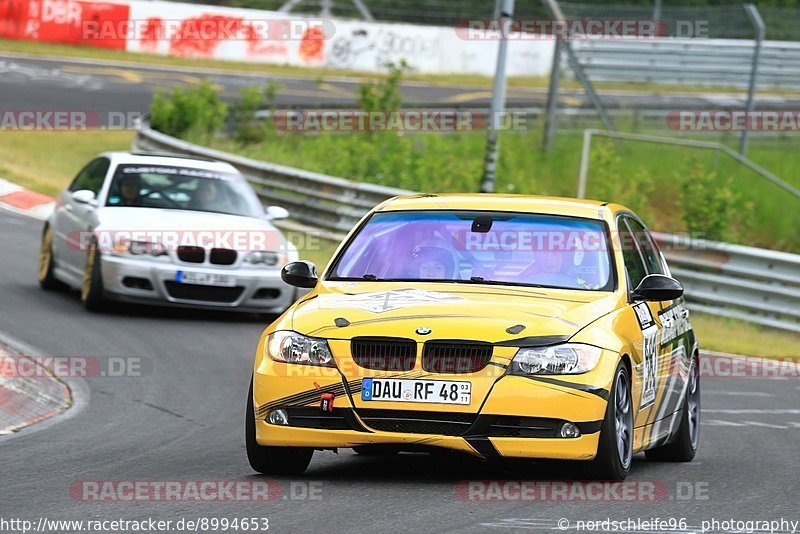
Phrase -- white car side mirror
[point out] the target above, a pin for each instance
(274, 213)
(84, 196)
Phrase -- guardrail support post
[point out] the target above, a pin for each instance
(585, 152)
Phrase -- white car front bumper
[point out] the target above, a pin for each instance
(155, 282)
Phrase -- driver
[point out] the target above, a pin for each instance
(432, 263)
(129, 186)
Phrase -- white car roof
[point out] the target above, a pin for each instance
(143, 158)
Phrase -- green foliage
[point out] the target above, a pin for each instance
(609, 183)
(247, 128)
(641, 176)
(711, 209)
(195, 110)
(383, 95)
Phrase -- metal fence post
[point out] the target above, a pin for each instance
(552, 99)
(761, 32)
(557, 14)
(498, 104)
(657, 10)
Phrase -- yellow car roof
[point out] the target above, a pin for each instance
(491, 202)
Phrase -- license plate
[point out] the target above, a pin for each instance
(408, 390)
(205, 279)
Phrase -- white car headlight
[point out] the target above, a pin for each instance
(127, 247)
(566, 359)
(269, 259)
(291, 347)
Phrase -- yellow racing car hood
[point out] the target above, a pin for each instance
(425, 311)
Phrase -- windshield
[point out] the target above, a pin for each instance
(181, 188)
(479, 247)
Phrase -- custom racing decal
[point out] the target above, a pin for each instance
(385, 301)
(649, 352)
(675, 321)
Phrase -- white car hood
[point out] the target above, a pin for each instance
(239, 232)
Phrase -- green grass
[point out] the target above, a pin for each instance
(442, 163)
(716, 334)
(48, 161)
(313, 248)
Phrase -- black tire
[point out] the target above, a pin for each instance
(611, 463)
(47, 279)
(271, 460)
(682, 447)
(92, 287)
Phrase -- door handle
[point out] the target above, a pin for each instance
(68, 207)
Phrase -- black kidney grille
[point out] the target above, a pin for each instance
(222, 256)
(454, 357)
(384, 353)
(191, 254)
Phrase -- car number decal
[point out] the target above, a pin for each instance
(649, 352)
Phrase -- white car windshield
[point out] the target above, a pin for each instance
(182, 188)
(479, 247)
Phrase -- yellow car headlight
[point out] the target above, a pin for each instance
(566, 359)
(290, 347)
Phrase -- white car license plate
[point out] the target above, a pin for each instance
(408, 390)
(205, 279)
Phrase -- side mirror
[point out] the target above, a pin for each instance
(274, 213)
(84, 196)
(657, 287)
(300, 274)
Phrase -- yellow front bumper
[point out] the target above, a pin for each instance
(582, 448)
(575, 399)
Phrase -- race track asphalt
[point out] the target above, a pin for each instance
(67, 84)
(182, 420)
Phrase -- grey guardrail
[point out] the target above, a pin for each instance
(757, 285)
(719, 62)
(315, 199)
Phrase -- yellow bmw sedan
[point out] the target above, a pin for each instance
(500, 326)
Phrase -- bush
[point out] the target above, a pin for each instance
(247, 128)
(383, 95)
(195, 110)
(633, 190)
(711, 209)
